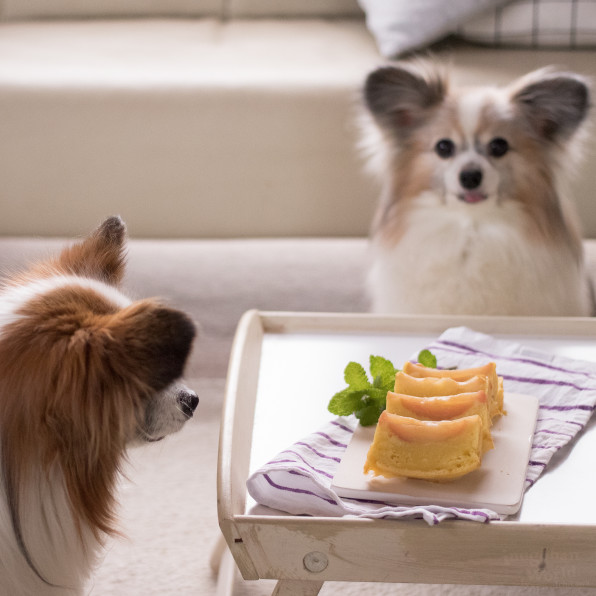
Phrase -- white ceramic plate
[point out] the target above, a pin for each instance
(497, 485)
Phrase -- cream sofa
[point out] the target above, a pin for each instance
(202, 118)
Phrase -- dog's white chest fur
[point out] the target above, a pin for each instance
(474, 260)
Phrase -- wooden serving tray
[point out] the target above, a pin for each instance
(284, 367)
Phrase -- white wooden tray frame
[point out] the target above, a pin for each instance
(275, 546)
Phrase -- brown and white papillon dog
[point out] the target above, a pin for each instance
(84, 373)
(473, 217)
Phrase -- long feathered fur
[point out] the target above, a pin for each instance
(81, 365)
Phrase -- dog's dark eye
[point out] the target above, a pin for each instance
(445, 148)
(498, 147)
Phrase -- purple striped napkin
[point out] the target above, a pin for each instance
(298, 480)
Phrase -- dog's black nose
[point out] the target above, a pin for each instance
(188, 401)
(470, 179)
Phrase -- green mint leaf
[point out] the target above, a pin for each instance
(345, 402)
(427, 358)
(377, 394)
(355, 376)
(369, 415)
(378, 382)
(362, 398)
(383, 370)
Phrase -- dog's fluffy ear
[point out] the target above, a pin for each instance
(154, 340)
(554, 103)
(400, 97)
(101, 255)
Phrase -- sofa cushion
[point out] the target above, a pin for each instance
(44, 9)
(292, 8)
(243, 128)
(205, 128)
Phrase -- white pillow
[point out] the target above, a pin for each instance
(401, 26)
(536, 23)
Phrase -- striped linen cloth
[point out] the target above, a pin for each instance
(298, 480)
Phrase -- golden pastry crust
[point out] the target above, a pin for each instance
(430, 450)
(437, 423)
(494, 387)
(447, 407)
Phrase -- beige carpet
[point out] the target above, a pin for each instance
(168, 511)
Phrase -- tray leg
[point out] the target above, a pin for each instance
(297, 587)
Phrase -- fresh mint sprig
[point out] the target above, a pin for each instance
(366, 399)
(427, 358)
